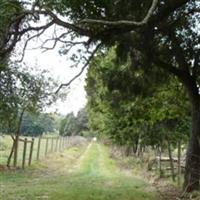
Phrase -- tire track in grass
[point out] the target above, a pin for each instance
(100, 173)
(95, 176)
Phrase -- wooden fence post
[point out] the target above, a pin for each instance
(160, 162)
(66, 141)
(60, 143)
(171, 160)
(31, 152)
(63, 143)
(16, 145)
(52, 144)
(38, 149)
(179, 163)
(24, 153)
(46, 147)
(56, 148)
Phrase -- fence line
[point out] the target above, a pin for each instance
(24, 153)
(49, 144)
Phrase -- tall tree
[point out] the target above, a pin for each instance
(160, 34)
(72, 125)
(34, 124)
(21, 91)
(134, 110)
(68, 125)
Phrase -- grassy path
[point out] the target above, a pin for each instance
(92, 176)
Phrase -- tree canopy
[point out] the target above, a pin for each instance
(74, 125)
(156, 37)
(127, 111)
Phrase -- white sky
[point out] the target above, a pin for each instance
(59, 67)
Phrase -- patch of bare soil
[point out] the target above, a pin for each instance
(4, 168)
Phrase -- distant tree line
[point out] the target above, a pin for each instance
(36, 124)
(74, 125)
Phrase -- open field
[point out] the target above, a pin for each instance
(6, 144)
(79, 173)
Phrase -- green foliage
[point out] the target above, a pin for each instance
(96, 177)
(68, 125)
(127, 90)
(37, 124)
(10, 11)
(129, 105)
(82, 120)
(72, 125)
(21, 91)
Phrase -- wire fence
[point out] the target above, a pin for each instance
(34, 149)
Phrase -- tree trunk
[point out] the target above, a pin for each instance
(16, 142)
(192, 172)
(11, 153)
(138, 147)
(160, 162)
(179, 163)
(171, 160)
(127, 150)
(135, 145)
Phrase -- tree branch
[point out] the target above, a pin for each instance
(82, 69)
(188, 81)
(64, 24)
(178, 51)
(26, 44)
(46, 26)
(170, 68)
(125, 22)
(167, 10)
(57, 39)
(196, 66)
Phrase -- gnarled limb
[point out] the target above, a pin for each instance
(81, 71)
(125, 22)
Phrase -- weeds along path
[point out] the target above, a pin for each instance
(91, 175)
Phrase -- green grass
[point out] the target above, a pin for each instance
(6, 143)
(74, 175)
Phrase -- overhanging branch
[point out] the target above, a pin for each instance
(125, 22)
(26, 44)
(81, 71)
(74, 27)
